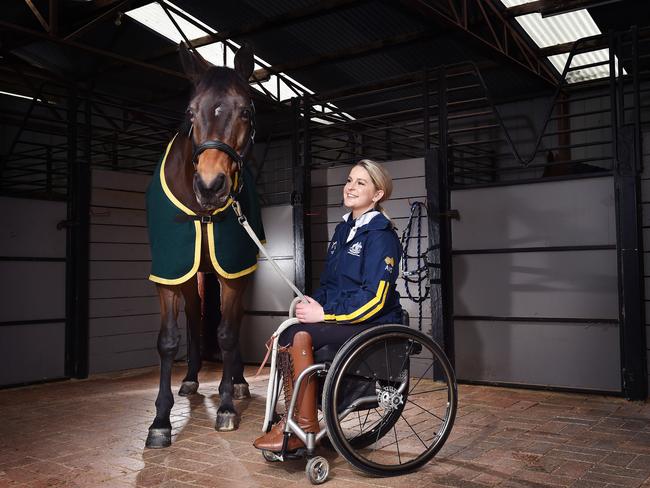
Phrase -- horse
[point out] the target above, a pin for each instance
(192, 223)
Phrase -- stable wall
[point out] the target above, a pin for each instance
(32, 316)
(535, 284)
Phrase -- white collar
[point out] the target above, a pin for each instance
(361, 221)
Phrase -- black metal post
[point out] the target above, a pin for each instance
(77, 248)
(628, 240)
(438, 204)
(300, 195)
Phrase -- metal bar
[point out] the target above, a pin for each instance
(35, 322)
(298, 209)
(508, 250)
(38, 15)
(629, 241)
(574, 320)
(92, 50)
(76, 350)
(97, 20)
(605, 174)
(348, 53)
(438, 205)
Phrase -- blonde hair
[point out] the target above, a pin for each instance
(382, 181)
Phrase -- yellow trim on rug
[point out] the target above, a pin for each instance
(215, 263)
(195, 266)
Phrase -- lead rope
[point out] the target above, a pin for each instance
(421, 273)
(241, 218)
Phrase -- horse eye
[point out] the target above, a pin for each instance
(189, 113)
(246, 114)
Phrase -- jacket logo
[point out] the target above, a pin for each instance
(390, 262)
(333, 247)
(355, 249)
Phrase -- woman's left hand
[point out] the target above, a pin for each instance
(309, 312)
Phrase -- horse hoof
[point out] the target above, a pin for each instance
(159, 438)
(240, 391)
(226, 422)
(188, 388)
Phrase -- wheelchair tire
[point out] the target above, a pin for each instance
(409, 395)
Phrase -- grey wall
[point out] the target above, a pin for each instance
(33, 289)
(267, 292)
(519, 284)
(123, 304)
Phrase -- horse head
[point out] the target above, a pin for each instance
(220, 121)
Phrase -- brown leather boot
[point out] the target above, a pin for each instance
(306, 412)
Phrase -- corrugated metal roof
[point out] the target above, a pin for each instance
(564, 28)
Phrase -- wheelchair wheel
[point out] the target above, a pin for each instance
(389, 400)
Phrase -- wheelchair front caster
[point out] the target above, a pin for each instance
(317, 470)
(271, 457)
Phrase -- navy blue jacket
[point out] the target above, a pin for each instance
(358, 282)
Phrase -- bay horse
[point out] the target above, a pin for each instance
(191, 221)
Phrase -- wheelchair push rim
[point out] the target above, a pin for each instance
(409, 403)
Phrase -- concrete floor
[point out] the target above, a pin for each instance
(91, 433)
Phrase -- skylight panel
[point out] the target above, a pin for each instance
(561, 29)
(558, 29)
(155, 18)
(585, 74)
(17, 95)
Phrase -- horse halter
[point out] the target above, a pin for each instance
(238, 158)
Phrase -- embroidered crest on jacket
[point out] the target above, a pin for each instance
(355, 249)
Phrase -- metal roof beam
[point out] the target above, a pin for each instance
(549, 8)
(92, 50)
(37, 14)
(484, 23)
(298, 15)
(591, 44)
(97, 20)
(344, 54)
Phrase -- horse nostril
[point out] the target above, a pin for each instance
(218, 182)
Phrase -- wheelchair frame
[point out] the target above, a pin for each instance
(317, 467)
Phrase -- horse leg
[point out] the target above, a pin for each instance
(160, 431)
(240, 385)
(231, 314)
(190, 292)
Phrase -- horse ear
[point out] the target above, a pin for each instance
(244, 62)
(193, 64)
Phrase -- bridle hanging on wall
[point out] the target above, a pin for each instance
(421, 272)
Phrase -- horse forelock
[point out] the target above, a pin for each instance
(222, 80)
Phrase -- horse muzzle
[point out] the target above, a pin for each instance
(214, 193)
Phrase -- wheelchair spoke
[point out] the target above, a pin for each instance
(416, 434)
(407, 356)
(421, 377)
(387, 361)
(428, 411)
(442, 388)
(399, 457)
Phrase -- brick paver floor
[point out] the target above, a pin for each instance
(91, 433)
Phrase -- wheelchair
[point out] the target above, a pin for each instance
(388, 399)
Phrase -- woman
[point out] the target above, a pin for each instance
(357, 291)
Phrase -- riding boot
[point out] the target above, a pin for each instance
(306, 411)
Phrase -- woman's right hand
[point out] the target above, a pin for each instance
(310, 312)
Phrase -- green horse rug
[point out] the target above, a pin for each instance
(175, 234)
